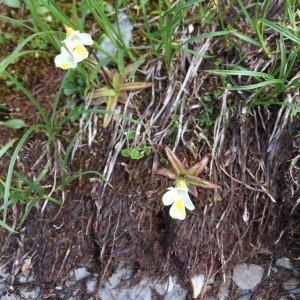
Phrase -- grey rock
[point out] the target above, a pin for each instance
(245, 297)
(292, 285)
(115, 287)
(177, 293)
(91, 285)
(284, 262)
(76, 275)
(126, 31)
(247, 276)
(79, 273)
(224, 292)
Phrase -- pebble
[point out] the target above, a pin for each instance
(247, 276)
(170, 289)
(284, 263)
(197, 284)
(245, 297)
(224, 291)
(244, 280)
(292, 285)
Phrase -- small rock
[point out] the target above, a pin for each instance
(224, 291)
(3, 276)
(26, 267)
(245, 297)
(76, 275)
(23, 279)
(126, 28)
(292, 285)
(177, 293)
(170, 285)
(284, 263)
(80, 273)
(170, 289)
(25, 294)
(197, 284)
(247, 276)
(91, 285)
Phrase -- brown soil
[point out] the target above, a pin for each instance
(97, 226)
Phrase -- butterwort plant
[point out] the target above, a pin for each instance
(116, 89)
(73, 49)
(186, 180)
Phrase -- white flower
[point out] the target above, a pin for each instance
(73, 50)
(180, 199)
(65, 60)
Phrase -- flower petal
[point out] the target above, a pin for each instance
(65, 60)
(170, 196)
(188, 202)
(86, 39)
(177, 210)
(71, 35)
(80, 53)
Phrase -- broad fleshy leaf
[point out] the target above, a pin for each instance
(167, 173)
(110, 106)
(107, 75)
(193, 190)
(128, 70)
(199, 167)
(104, 92)
(200, 182)
(176, 164)
(116, 90)
(134, 86)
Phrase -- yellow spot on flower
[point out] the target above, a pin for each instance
(178, 209)
(64, 66)
(80, 51)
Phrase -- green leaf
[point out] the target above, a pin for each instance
(147, 150)
(14, 124)
(198, 168)
(125, 152)
(131, 135)
(167, 173)
(162, 160)
(6, 146)
(4, 107)
(12, 3)
(134, 86)
(41, 10)
(175, 162)
(110, 106)
(104, 92)
(135, 154)
(204, 184)
(285, 32)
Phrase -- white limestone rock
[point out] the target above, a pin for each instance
(197, 284)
